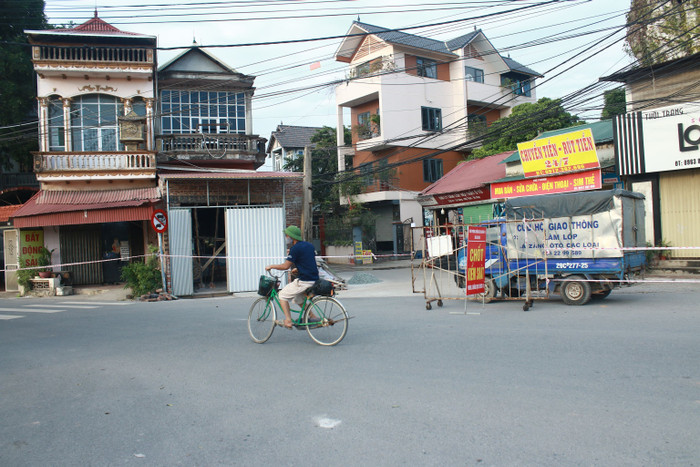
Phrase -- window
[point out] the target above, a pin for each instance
(473, 74)
(518, 84)
(202, 112)
(94, 124)
(57, 137)
(367, 173)
(426, 67)
(363, 127)
(432, 170)
(431, 118)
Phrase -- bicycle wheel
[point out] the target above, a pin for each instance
(261, 320)
(329, 323)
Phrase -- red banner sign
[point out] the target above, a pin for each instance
(468, 196)
(476, 251)
(580, 181)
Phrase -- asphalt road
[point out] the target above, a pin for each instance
(615, 382)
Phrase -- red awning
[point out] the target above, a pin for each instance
(469, 175)
(86, 207)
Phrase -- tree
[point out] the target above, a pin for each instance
(615, 103)
(18, 84)
(662, 30)
(324, 161)
(524, 124)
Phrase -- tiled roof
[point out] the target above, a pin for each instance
(7, 211)
(515, 66)
(290, 137)
(410, 40)
(461, 41)
(94, 25)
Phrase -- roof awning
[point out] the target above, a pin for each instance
(465, 183)
(86, 207)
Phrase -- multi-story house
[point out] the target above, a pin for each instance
(225, 219)
(95, 165)
(417, 106)
(287, 142)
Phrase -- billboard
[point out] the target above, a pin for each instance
(568, 152)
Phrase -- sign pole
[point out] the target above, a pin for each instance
(162, 261)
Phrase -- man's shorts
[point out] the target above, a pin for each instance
(295, 291)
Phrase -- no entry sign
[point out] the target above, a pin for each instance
(159, 221)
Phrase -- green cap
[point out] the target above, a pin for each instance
(294, 232)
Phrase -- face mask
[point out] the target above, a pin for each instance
(289, 241)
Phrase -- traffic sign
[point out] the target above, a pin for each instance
(159, 221)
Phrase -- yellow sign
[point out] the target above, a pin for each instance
(569, 152)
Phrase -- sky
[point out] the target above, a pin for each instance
(571, 42)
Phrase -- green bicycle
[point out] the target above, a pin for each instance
(323, 317)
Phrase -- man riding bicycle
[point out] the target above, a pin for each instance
(302, 257)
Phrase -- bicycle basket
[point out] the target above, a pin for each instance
(266, 285)
(322, 287)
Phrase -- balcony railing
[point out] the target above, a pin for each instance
(93, 54)
(217, 145)
(380, 65)
(16, 180)
(94, 162)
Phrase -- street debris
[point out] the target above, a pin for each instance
(363, 278)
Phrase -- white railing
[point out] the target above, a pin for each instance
(93, 162)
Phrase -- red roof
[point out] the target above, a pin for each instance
(7, 211)
(94, 25)
(72, 207)
(470, 174)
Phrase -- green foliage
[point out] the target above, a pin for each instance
(324, 161)
(660, 30)
(44, 258)
(24, 275)
(615, 103)
(143, 277)
(339, 227)
(18, 83)
(524, 124)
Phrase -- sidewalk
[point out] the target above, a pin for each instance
(383, 278)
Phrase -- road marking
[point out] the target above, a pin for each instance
(97, 303)
(82, 307)
(10, 316)
(27, 310)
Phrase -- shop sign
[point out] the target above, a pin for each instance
(476, 252)
(30, 244)
(570, 152)
(462, 197)
(580, 181)
(671, 140)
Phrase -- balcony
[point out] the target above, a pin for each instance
(129, 55)
(220, 146)
(18, 180)
(100, 165)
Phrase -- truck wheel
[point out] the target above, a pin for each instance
(489, 291)
(575, 291)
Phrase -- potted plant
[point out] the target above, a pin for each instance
(43, 261)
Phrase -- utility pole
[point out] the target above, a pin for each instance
(306, 211)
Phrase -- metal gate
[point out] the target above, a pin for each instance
(254, 239)
(180, 236)
(82, 244)
(11, 253)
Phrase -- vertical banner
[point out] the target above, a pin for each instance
(476, 250)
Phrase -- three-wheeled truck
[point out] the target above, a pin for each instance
(579, 245)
